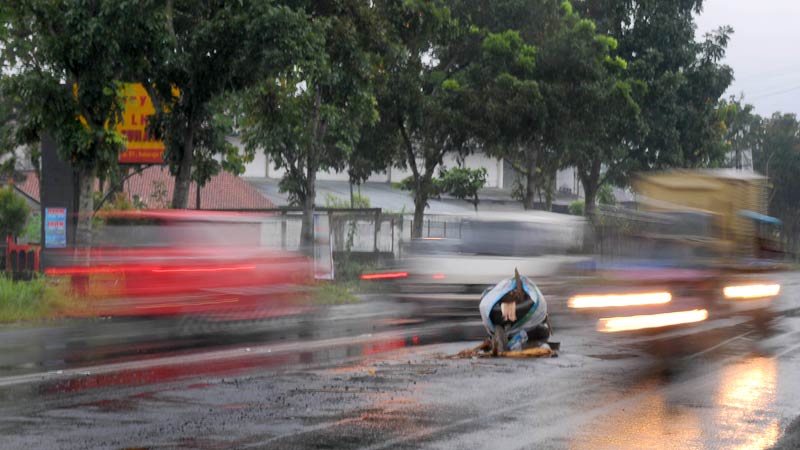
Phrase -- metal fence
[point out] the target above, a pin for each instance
(438, 226)
(359, 230)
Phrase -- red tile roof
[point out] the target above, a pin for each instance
(223, 191)
(30, 185)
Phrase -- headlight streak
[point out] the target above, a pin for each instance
(751, 291)
(631, 323)
(619, 300)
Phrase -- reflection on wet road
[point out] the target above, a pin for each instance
(675, 413)
(373, 376)
(652, 419)
(745, 401)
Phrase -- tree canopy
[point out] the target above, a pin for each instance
(68, 60)
(309, 117)
(683, 79)
(607, 87)
(210, 48)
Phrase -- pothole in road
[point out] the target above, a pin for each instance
(614, 356)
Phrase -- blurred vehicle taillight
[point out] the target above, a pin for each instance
(181, 265)
(384, 276)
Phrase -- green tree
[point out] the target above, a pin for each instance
(577, 207)
(605, 195)
(13, 213)
(427, 95)
(68, 58)
(375, 151)
(212, 48)
(8, 110)
(743, 132)
(515, 115)
(514, 123)
(213, 152)
(463, 183)
(778, 158)
(684, 80)
(8, 125)
(547, 79)
(309, 118)
(593, 102)
(33, 229)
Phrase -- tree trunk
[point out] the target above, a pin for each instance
(738, 153)
(85, 207)
(591, 184)
(530, 185)
(351, 195)
(183, 179)
(197, 197)
(307, 228)
(590, 199)
(549, 193)
(419, 213)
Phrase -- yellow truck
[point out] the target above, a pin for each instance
(692, 251)
(734, 200)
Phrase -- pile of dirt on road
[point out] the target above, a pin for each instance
(484, 351)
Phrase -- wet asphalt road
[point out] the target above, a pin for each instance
(375, 376)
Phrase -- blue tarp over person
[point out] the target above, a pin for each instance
(512, 310)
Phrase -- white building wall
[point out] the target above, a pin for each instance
(262, 167)
(325, 176)
(568, 179)
(493, 166)
(258, 167)
(379, 177)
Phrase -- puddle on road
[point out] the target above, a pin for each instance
(734, 409)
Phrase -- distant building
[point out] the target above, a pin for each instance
(154, 186)
(745, 160)
(500, 180)
(27, 187)
(500, 173)
(262, 167)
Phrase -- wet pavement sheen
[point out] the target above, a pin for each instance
(382, 381)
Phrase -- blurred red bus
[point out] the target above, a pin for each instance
(179, 262)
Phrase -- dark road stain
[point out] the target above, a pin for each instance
(614, 356)
(110, 405)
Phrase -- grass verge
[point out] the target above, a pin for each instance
(31, 300)
(335, 294)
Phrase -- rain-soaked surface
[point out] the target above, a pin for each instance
(374, 375)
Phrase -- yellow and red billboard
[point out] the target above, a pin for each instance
(140, 146)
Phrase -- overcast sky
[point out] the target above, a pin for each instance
(764, 50)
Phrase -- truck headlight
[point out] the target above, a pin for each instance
(619, 300)
(751, 291)
(631, 323)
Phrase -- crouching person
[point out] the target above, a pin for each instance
(514, 313)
